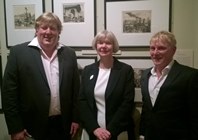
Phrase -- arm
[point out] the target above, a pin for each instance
(10, 95)
(193, 90)
(124, 111)
(20, 135)
(142, 123)
(76, 86)
(143, 85)
(87, 106)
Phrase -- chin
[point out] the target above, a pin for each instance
(157, 63)
(104, 54)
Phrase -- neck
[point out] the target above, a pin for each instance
(159, 73)
(106, 63)
(49, 51)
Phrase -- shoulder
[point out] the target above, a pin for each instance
(20, 49)
(145, 72)
(21, 46)
(67, 49)
(91, 69)
(67, 52)
(121, 65)
(184, 68)
(92, 66)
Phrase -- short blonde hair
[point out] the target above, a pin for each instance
(165, 37)
(102, 35)
(50, 19)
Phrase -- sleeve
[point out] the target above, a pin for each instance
(142, 121)
(10, 95)
(123, 115)
(76, 86)
(87, 115)
(142, 117)
(193, 91)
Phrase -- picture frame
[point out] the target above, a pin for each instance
(1, 76)
(20, 16)
(79, 23)
(135, 21)
(138, 63)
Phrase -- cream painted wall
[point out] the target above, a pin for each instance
(195, 38)
(184, 26)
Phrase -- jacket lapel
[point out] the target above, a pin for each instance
(61, 65)
(113, 78)
(173, 73)
(37, 57)
(92, 78)
(145, 79)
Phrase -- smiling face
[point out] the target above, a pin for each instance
(162, 49)
(161, 54)
(48, 28)
(48, 35)
(104, 48)
(105, 43)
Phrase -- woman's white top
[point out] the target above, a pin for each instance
(99, 92)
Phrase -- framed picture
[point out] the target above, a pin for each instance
(135, 21)
(20, 18)
(138, 64)
(78, 18)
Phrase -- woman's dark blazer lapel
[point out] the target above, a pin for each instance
(93, 74)
(113, 78)
(92, 77)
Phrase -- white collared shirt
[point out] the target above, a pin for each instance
(51, 67)
(155, 83)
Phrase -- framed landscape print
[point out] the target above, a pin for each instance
(78, 18)
(135, 21)
(20, 18)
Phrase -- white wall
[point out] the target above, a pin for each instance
(3, 131)
(195, 36)
(184, 26)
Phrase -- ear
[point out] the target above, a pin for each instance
(174, 49)
(36, 31)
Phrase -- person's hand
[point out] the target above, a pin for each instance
(74, 128)
(141, 137)
(20, 135)
(102, 134)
